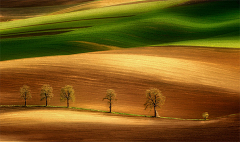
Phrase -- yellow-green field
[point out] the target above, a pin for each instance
(123, 25)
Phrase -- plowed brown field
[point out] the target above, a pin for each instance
(194, 80)
(57, 124)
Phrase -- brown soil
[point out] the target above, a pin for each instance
(37, 3)
(193, 79)
(56, 124)
(34, 34)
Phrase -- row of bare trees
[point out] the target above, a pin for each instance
(154, 97)
(67, 93)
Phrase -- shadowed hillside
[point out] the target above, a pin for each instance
(123, 26)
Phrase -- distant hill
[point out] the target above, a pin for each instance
(122, 25)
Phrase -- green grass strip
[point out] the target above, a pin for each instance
(95, 110)
(184, 119)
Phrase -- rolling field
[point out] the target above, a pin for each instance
(209, 82)
(122, 26)
(23, 124)
(187, 49)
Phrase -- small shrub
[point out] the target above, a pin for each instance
(205, 115)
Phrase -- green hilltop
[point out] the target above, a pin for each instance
(160, 23)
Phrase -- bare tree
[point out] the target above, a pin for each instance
(46, 92)
(67, 93)
(110, 96)
(154, 99)
(25, 93)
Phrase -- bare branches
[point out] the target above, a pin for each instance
(46, 92)
(25, 93)
(67, 93)
(110, 96)
(154, 99)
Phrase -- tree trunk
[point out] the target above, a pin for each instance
(110, 107)
(67, 103)
(46, 100)
(25, 98)
(155, 114)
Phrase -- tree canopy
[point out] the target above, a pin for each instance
(46, 92)
(154, 99)
(67, 93)
(110, 96)
(205, 115)
(25, 93)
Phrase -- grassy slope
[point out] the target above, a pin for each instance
(144, 25)
(118, 113)
(225, 13)
(224, 42)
